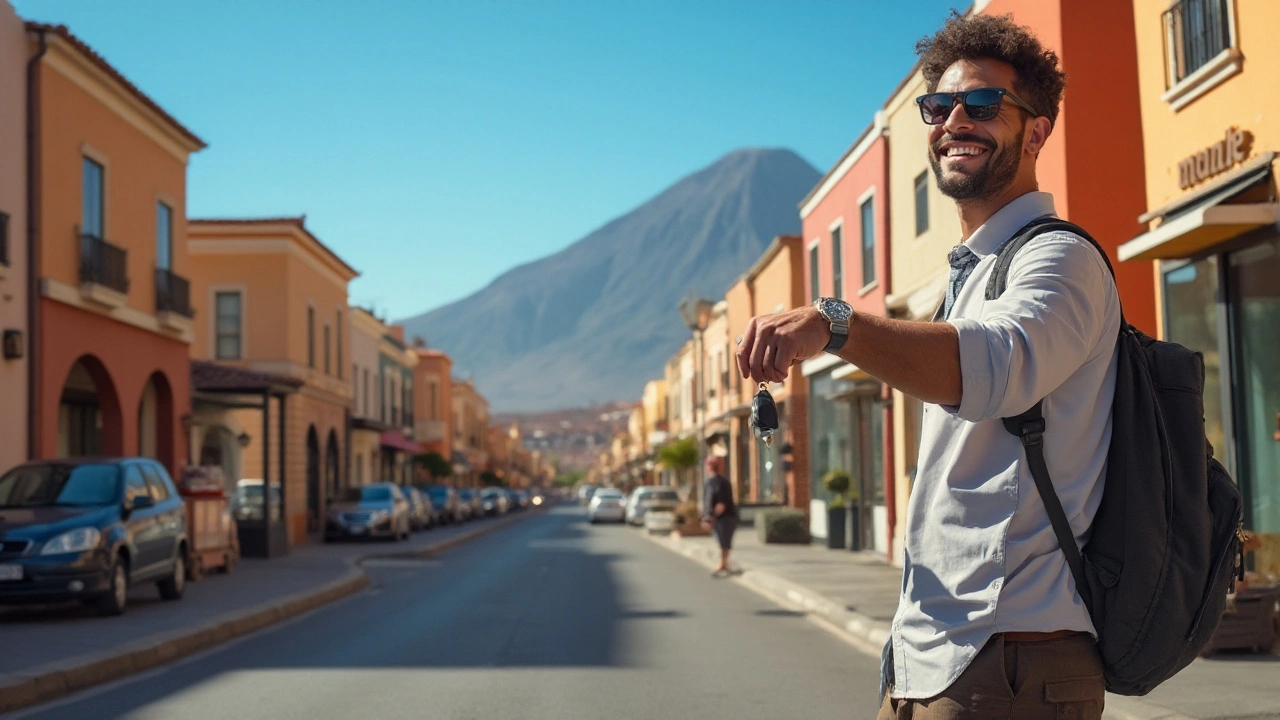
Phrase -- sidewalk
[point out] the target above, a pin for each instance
(857, 595)
(50, 651)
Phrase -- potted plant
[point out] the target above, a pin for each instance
(836, 482)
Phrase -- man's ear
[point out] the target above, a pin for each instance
(1038, 135)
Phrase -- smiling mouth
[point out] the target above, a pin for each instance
(962, 151)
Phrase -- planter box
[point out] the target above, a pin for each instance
(1252, 624)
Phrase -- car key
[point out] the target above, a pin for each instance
(764, 415)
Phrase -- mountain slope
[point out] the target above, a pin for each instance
(595, 321)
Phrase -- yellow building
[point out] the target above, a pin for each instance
(1211, 126)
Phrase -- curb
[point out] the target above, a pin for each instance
(864, 633)
(56, 680)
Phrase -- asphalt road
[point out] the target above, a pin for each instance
(551, 619)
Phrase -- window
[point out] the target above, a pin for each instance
(91, 213)
(338, 329)
(435, 411)
(227, 308)
(156, 482)
(164, 237)
(355, 384)
(4, 238)
(837, 263)
(813, 274)
(326, 348)
(1196, 32)
(311, 337)
(922, 203)
(367, 400)
(135, 486)
(868, 241)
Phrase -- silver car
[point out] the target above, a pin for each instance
(379, 510)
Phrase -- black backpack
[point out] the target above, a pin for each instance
(1162, 549)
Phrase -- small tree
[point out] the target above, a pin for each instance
(837, 482)
(489, 478)
(679, 455)
(435, 464)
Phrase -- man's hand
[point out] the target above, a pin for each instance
(706, 523)
(718, 510)
(773, 343)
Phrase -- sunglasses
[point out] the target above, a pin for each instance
(981, 104)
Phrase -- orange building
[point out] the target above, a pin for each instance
(109, 365)
(470, 432)
(1211, 223)
(14, 302)
(433, 383)
(273, 299)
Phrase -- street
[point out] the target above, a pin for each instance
(549, 618)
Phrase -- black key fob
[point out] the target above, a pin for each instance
(764, 415)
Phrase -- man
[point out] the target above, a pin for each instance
(721, 516)
(989, 624)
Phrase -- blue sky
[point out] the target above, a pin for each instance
(435, 144)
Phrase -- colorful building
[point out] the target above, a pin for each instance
(470, 433)
(382, 418)
(433, 384)
(109, 363)
(14, 300)
(273, 299)
(847, 256)
(1210, 229)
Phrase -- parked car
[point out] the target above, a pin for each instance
(607, 504)
(422, 514)
(88, 529)
(522, 497)
(470, 502)
(494, 501)
(650, 497)
(445, 500)
(585, 491)
(378, 510)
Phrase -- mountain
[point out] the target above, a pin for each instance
(597, 320)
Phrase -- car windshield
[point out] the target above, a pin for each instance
(668, 495)
(609, 494)
(62, 485)
(366, 494)
(438, 491)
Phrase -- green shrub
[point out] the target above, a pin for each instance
(783, 525)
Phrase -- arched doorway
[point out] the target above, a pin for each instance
(155, 420)
(89, 418)
(331, 466)
(313, 480)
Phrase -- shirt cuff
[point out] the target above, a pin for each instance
(977, 377)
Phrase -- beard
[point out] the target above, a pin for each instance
(999, 171)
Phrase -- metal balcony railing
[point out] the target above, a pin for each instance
(1195, 31)
(173, 293)
(103, 264)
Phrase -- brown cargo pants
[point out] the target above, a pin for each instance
(1017, 679)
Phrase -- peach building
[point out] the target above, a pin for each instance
(470, 432)
(433, 383)
(1210, 225)
(109, 361)
(273, 300)
(14, 301)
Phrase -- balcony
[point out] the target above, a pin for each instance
(104, 277)
(173, 300)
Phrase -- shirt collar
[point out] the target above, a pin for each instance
(1011, 218)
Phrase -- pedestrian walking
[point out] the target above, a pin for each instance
(721, 513)
(989, 623)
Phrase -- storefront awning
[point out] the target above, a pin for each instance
(395, 440)
(1206, 218)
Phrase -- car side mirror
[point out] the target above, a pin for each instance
(142, 502)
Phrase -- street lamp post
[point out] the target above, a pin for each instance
(696, 313)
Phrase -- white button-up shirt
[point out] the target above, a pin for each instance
(981, 555)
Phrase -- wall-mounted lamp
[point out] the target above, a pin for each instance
(13, 346)
(244, 439)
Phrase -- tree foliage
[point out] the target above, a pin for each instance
(489, 478)
(435, 464)
(679, 455)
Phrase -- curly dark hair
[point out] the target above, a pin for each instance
(1039, 80)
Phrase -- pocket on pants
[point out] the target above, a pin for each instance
(1076, 698)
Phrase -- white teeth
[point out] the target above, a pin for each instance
(954, 151)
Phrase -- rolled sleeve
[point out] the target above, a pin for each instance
(1047, 324)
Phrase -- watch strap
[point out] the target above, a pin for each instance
(838, 339)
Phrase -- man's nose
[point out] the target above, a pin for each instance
(958, 120)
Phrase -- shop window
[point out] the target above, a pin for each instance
(1191, 320)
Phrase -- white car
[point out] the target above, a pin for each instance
(648, 498)
(607, 504)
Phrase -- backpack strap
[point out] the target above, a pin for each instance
(1029, 427)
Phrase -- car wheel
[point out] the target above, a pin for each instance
(172, 587)
(117, 596)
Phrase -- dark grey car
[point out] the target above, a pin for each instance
(87, 529)
(379, 510)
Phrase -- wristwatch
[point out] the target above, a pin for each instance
(838, 313)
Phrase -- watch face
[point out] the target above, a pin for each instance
(836, 311)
